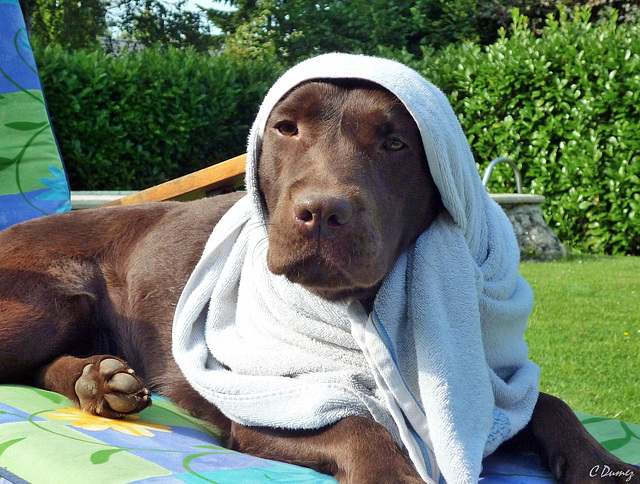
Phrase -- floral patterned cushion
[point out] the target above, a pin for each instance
(32, 178)
(45, 440)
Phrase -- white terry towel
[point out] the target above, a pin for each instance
(441, 361)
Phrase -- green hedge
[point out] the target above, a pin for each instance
(565, 105)
(134, 121)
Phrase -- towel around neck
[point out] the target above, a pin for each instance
(440, 362)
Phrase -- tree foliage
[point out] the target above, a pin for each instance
(563, 104)
(228, 21)
(79, 23)
(160, 22)
(70, 23)
(296, 29)
(302, 28)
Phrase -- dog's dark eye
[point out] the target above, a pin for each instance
(287, 128)
(394, 144)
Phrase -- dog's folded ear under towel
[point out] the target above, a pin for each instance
(441, 361)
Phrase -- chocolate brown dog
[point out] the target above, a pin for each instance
(87, 298)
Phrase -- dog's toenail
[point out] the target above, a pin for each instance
(130, 370)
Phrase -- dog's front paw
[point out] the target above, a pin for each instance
(110, 388)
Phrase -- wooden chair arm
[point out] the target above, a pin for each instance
(226, 174)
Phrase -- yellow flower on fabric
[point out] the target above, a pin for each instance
(87, 421)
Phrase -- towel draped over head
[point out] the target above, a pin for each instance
(440, 361)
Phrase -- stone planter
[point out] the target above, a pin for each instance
(535, 238)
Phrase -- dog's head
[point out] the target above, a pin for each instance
(346, 185)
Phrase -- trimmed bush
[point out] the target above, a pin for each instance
(563, 102)
(134, 121)
(565, 105)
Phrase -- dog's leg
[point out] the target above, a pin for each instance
(565, 446)
(176, 388)
(102, 385)
(356, 450)
(49, 311)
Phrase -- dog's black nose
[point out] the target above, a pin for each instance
(321, 215)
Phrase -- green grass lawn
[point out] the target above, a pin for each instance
(585, 332)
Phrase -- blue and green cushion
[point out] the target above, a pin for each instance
(33, 181)
(45, 440)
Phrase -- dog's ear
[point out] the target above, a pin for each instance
(265, 179)
(263, 202)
